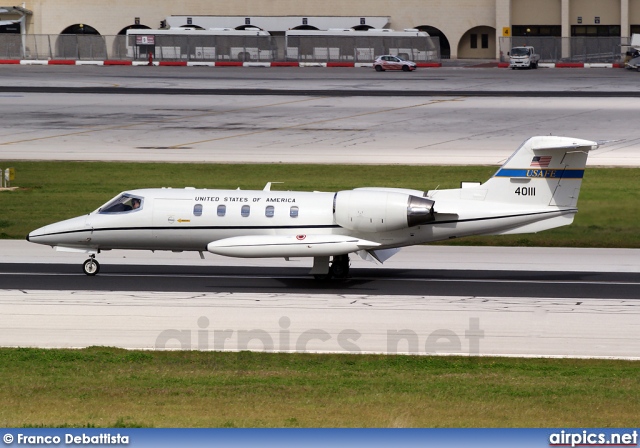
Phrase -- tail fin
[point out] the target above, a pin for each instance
(542, 171)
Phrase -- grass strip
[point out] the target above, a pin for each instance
(53, 191)
(104, 387)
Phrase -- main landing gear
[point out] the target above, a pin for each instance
(339, 268)
(91, 266)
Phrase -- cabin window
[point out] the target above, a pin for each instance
(293, 212)
(123, 203)
(222, 210)
(197, 210)
(245, 211)
(269, 211)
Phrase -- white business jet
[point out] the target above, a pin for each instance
(536, 189)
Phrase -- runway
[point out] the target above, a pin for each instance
(425, 300)
(372, 282)
(312, 322)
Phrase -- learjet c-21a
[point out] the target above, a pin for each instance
(536, 189)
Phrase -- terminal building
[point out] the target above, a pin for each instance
(467, 29)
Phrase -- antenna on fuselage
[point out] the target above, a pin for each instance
(268, 186)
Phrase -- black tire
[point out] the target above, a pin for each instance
(340, 266)
(91, 266)
(322, 277)
(406, 68)
(379, 69)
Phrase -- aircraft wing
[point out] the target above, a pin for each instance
(266, 246)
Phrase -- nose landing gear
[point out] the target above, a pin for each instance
(91, 266)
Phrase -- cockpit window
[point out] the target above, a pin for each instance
(123, 203)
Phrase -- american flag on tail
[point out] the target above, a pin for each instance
(540, 161)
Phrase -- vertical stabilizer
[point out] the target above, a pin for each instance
(543, 171)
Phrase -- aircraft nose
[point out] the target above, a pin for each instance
(33, 235)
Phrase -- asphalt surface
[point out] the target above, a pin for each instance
(419, 282)
(444, 116)
(321, 92)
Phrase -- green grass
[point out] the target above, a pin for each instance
(53, 191)
(101, 387)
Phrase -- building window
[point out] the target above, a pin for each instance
(536, 30)
(293, 212)
(245, 211)
(269, 211)
(197, 210)
(485, 40)
(222, 210)
(474, 41)
(595, 30)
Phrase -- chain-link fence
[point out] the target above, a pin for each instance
(360, 48)
(161, 48)
(569, 49)
(216, 48)
(294, 48)
(63, 46)
(201, 48)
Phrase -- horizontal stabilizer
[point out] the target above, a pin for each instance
(267, 246)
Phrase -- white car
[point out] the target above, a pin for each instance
(389, 62)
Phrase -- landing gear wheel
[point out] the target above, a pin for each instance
(379, 69)
(91, 266)
(322, 277)
(340, 266)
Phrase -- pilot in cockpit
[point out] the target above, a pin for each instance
(122, 203)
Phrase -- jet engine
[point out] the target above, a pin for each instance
(380, 210)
